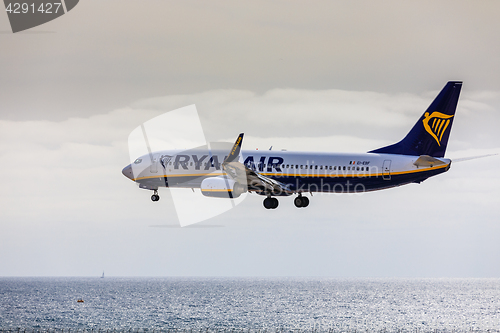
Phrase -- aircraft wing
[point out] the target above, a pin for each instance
(242, 174)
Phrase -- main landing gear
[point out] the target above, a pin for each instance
(271, 203)
(301, 202)
(155, 196)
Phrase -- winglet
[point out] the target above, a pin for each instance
(235, 151)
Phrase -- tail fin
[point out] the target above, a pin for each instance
(430, 134)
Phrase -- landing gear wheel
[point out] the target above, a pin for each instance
(301, 201)
(275, 203)
(271, 203)
(267, 203)
(155, 197)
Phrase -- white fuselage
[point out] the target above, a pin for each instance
(304, 171)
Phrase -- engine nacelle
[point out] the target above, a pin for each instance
(221, 187)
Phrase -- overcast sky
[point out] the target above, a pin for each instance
(312, 76)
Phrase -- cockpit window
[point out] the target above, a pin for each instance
(137, 161)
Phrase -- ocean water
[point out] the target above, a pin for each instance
(320, 304)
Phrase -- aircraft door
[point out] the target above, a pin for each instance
(154, 163)
(386, 170)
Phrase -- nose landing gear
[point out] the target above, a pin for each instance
(155, 197)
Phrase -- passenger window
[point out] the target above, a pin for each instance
(344, 168)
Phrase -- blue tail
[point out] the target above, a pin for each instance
(430, 134)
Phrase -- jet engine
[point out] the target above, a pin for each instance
(222, 187)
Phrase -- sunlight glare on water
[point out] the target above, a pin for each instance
(251, 303)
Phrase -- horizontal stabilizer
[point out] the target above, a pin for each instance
(427, 161)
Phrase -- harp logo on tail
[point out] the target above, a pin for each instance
(436, 124)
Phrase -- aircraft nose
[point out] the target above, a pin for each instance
(127, 172)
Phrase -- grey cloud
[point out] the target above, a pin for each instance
(157, 48)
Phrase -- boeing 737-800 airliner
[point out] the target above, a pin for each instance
(229, 173)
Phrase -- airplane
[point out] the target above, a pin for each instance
(418, 156)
